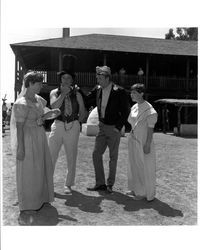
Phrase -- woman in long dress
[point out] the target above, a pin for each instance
(142, 160)
(33, 159)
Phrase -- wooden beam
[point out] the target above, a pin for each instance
(187, 73)
(16, 87)
(179, 120)
(104, 59)
(21, 60)
(147, 71)
(20, 69)
(60, 60)
(164, 118)
(187, 87)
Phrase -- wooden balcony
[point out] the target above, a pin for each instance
(161, 83)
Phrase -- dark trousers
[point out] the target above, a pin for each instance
(106, 137)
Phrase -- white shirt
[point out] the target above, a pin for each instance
(105, 96)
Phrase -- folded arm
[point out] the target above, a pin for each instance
(20, 140)
(91, 99)
(82, 109)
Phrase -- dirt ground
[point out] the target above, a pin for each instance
(176, 196)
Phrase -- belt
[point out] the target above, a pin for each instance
(67, 119)
(102, 120)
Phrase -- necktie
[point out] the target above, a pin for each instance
(68, 106)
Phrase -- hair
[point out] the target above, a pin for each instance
(33, 77)
(68, 72)
(139, 87)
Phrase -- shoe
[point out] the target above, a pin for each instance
(97, 188)
(109, 189)
(46, 204)
(27, 217)
(130, 193)
(67, 190)
(138, 197)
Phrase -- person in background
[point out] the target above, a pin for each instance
(122, 75)
(140, 75)
(141, 150)
(9, 114)
(29, 143)
(113, 109)
(4, 115)
(66, 128)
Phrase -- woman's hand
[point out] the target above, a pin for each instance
(146, 148)
(53, 113)
(40, 121)
(20, 154)
(56, 111)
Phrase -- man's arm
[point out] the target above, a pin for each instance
(91, 99)
(56, 101)
(82, 109)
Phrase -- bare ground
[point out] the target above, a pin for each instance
(176, 198)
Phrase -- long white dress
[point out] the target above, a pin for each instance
(142, 167)
(35, 172)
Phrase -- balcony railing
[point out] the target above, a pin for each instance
(87, 79)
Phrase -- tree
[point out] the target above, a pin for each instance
(187, 34)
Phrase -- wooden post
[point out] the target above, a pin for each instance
(187, 74)
(163, 119)
(187, 89)
(179, 120)
(147, 72)
(60, 60)
(104, 59)
(16, 81)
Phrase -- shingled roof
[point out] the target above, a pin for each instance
(119, 44)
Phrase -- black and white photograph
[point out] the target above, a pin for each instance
(99, 133)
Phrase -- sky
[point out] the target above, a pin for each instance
(23, 34)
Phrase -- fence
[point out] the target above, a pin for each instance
(88, 79)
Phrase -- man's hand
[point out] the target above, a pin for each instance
(40, 121)
(64, 90)
(116, 130)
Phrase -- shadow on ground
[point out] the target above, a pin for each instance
(132, 205)
(46, 216)
(83, 202)
(93, 204)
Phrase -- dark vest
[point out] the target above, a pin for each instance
(75, 109)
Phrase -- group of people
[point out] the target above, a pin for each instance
(6, 114)
(36, 155)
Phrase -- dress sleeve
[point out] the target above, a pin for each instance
(43, 101)
(20, 111)
(151, 120)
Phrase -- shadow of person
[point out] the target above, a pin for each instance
(66, 217)
(47, 215)
(132, 205)
(83, 202)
